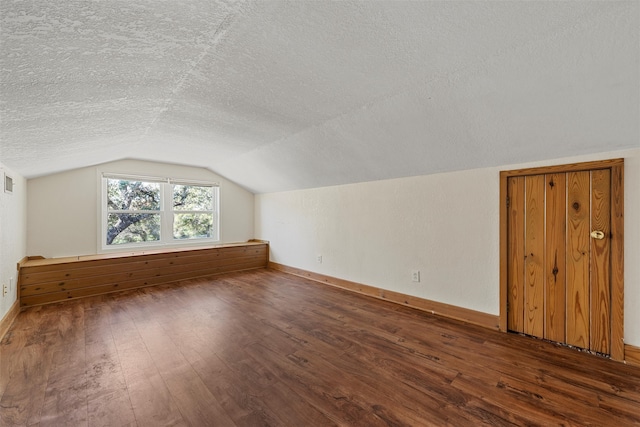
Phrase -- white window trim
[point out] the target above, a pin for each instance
(166, 213)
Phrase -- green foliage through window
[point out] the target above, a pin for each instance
(135, 211)
(192, 198)
(193, 221)
(192, 226)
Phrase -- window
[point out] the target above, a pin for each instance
(143, 211)
(192, 212)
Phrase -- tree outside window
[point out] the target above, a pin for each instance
(133, 211)
(140, 211)
(193, 212)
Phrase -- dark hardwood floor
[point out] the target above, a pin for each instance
(263, 348)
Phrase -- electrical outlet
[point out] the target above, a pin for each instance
(5, 290)
(415, 275)
(319, 259)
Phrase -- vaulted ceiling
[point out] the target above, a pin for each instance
(279, 95)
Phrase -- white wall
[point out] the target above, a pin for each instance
(62, 209)
(13, 235)
(445, 225)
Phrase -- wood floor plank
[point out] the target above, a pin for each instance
(111, 409)
(240, 400)
(511, 410)
(22, 400)
(11, 345)
(152, 402)
(322, 388)
(194, 401)
(108, 402)
(555, 404)
(65, 400)
(150, 398)
(31, 344)
(263, 348)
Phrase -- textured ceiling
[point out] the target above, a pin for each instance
(284, 95)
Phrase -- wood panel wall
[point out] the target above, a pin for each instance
(43, 281)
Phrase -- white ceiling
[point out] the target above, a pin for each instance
(281, 95)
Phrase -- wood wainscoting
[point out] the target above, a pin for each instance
(441, 309)
(7, 320)
(43, 281)
(632, 354)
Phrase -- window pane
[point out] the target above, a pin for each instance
(125, 228)
(132, 195)
(192, 226)
(192, 198)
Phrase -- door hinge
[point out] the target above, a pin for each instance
(508, 201)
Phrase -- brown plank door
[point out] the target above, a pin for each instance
(559, 257)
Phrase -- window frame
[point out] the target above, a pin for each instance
(215, 209)
(166, 212)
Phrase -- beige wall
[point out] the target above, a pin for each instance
(13, 235)
(63, 209)
(445, 225)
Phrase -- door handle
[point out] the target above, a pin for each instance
(597, 234)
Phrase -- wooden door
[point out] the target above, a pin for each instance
(559, 267)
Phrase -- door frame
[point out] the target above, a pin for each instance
(617, 241)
